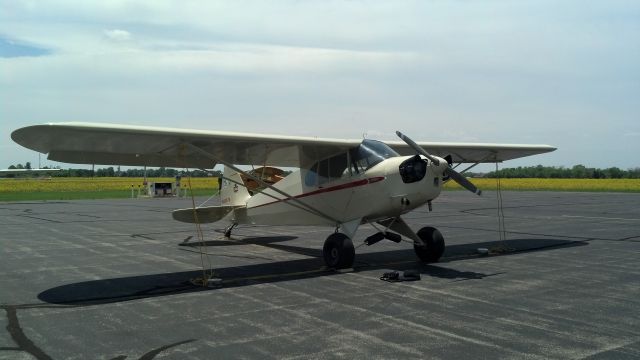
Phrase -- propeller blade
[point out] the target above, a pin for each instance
(417, 148)
(463, 181)
(456, 176)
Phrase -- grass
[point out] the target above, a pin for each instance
(114, 188)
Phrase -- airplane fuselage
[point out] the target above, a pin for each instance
(377, 193)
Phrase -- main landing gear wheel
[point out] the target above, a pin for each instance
(338, 251)
(434, 245)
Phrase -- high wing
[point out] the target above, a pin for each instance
(473, 152)
(111, 144)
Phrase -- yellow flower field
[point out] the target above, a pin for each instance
(95, 184)
(614, 185)
(100, 184)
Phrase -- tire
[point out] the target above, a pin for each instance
(434, 242)
(338, 251)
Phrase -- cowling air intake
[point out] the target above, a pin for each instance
(413, 169)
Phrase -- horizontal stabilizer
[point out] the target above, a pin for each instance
(207, 214)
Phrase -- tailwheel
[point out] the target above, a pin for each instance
(434, 245)
(338, 251)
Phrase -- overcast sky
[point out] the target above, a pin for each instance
(563, 73)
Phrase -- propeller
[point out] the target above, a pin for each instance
(456, 176)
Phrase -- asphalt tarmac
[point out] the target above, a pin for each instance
(109, 279)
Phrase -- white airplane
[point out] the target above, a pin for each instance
(340, 183)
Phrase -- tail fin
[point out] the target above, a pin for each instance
(232, 192)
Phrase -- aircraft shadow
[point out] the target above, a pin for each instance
(267, 241)
(115, 290)
(244, 241)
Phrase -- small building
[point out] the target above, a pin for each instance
(160, 189)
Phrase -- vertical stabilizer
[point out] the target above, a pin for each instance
(232, 191)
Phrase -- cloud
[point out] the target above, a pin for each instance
(117, 35)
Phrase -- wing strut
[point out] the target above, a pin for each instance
(469, 168)
(302, 205)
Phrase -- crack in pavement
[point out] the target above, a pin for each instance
(24, 344)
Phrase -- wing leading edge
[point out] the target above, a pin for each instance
(110, 144)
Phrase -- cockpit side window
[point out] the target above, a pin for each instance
(332, 168)
(327, 170)
(356, 161)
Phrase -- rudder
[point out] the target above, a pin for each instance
(232, 192)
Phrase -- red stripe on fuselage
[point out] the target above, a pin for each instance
(330, 189)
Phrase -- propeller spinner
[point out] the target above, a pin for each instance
(456, 176)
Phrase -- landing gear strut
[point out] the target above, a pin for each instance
(433, 245)
(338, 251)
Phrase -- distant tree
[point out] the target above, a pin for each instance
(27, 165)
(105, 172)
(576, 172)
(597, 174)
(614, 173)
(580, 172)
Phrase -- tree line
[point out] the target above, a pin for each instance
(575, 172)
(117, 172)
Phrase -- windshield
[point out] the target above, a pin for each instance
(368, 154)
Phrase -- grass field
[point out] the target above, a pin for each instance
(118, 187)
